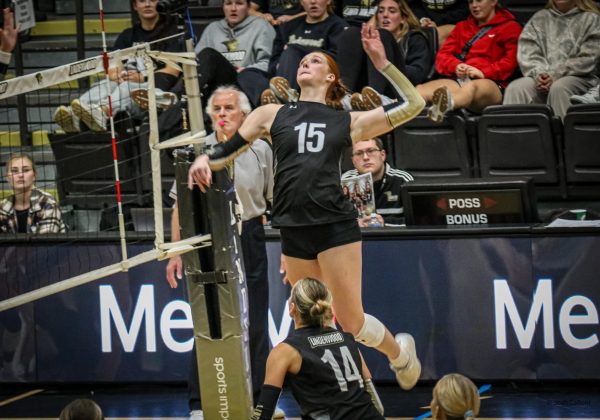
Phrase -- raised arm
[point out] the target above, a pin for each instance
(256, 125)
(369, 124)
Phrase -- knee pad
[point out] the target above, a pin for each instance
(372, 332)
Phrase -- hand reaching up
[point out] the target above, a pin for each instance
(373, 46)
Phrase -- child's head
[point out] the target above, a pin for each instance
(81, 409)
(455, 397)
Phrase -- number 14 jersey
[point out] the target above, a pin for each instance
(308, 141)
(329, 385)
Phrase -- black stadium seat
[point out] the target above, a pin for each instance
(427, 149)
(582, 151)
(522, 140)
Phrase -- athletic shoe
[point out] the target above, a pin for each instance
(282, 90)
(278, 414)
(197, 415)
(592, 96)
(268, 97)
(63, 116)
(357, 102)
(370, 97)
(163, 99)
(441, 103)
(92, 116)
(408, 375)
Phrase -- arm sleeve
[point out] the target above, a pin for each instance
(278, 44)
(502, 69)
(223, 153)
(529, 52)
(446, 61)
(418, 60)
(263, 46)
(397, 113)
(267, 402)
(585, 62)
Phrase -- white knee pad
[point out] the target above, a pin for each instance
(372, 332)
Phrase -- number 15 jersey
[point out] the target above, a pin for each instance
(308, 141)
(329, 385)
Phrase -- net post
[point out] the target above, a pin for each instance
(153, 140)
(218, 294)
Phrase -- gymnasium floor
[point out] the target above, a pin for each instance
(572, 400)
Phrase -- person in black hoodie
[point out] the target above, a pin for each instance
(440, 14)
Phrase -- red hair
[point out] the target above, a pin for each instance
(337, 90)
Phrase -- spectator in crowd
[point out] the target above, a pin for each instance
(277, 12)
(559, 52)
(455, 397)
(442, 15)
(369, 156)
(322, 389)
(406, 46)
(228, 107)
(319, 29)
(81, 409)
(8, 40)
(477, 59)
(92, 107)
(235, 50)
(28, 209)
(592, 96)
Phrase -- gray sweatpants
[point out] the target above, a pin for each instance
(523, 91)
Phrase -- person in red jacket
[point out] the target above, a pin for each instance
(477, 59)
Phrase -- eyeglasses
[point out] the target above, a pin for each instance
(370, 152)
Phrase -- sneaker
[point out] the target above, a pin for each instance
(282, 90)
(592, 96)
(278, 413)
(371, 98)
(441, 103)
(268, 97)
(92, 116)
(357, 102)
(196, 415)
(408, 375)
(163, 99)
(63, 116)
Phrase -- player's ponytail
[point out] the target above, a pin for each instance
(313, 302)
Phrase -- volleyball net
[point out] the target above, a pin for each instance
(101, 169)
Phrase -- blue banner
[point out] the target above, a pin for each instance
(522, 307)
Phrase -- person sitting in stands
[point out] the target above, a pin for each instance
(92, 107)
(442, 15)
(559, 52)
(28, 209)
(81, 409)
(319, 30)
(369, 156)
(477, 59)
(455, 397)
(8, 40)
(235, 50)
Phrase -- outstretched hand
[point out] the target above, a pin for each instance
(373, 46)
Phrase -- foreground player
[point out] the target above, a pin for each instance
(319, 234)
(323, 366)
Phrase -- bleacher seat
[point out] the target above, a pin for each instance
(427, 149)
(522, 140)
(582, 151)
(85, 170)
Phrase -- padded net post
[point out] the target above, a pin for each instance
(218, 294)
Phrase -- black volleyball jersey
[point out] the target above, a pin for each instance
(308, 141)
(329, 384)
